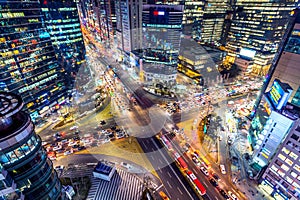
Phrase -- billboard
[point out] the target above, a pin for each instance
(279, 94)
(247, 53)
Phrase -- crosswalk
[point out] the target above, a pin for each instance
(123, 186)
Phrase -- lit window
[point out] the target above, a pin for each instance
(289, 162)
(293, 174)
(293, 155)
(281, 173)
(297, 167)
(274, 168)
(282, 157)
(285, 167)
(285, 150)
(289, 180)
(296, 185)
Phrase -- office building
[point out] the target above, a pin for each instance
(28, 63)
(196, 60)
(258, 27)
(129, 23)
(22, 154)
(63, 25)
(162, 28)
(282, 177)
(213, 21)
(103, 27)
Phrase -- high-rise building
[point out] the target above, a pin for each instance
(27, 58)
(22, 154)
(162, 28)
(213, 21)
(63, 25)
(103, 21)
(256, 30)
(274, 131)
(129, 23)
(282, 177)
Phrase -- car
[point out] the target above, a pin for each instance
(222, 168)
(44, 143)
(81, 148)
(72, 143)
(195, 160)
(196, 154)
(204, 170)
(215, 176)
(73, 128)
(56, 148)
(76, 138)
(220, 137)
(68, 152)
(52, 157)
(163, 195)
(76, 146)
(121, 135)
(58, 134)
(232, 195)
(59, 167)
(102, 122)
(213, 182)
(64, 142)
(224, 194)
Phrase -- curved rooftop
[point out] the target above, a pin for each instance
(10, 104)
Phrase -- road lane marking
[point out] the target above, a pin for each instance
(169, 174)
(188, 193)
(160, 161)
(179, 190)
(160, 170)
(169, 184)
(145, 145)
(152, 157)
(204, 184)
(159, 187)
(216, 198)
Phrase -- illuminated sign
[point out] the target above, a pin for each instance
(278, 96)
(156, 13)
(247, 53)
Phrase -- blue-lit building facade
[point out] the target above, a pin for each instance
(162, 28)
(63, 25)
(29, 172)
(27, 58)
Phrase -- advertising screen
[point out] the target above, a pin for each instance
(247, 53)
(277, 95)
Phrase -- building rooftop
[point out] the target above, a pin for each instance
(103, 168)
(193, 51)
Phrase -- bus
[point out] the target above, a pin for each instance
(196, 183)
(166, 142)
(180, 161)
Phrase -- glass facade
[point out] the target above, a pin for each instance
(22, 154)
(63, 25)
(27, 60)
(162, 25)
(260, 26)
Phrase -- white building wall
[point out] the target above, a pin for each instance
(274, 132)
